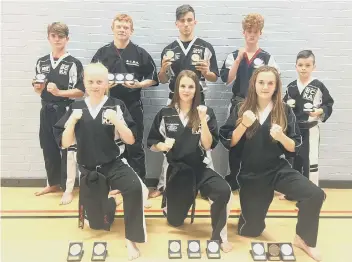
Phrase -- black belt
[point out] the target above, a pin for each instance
(307, 124)
(86, 168)
(56, 104)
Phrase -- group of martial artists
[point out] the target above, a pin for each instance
(272, 138)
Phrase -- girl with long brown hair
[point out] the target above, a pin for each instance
(264, 131)
(185, 131)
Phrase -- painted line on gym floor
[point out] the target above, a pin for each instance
(161, 216)
(50, 211)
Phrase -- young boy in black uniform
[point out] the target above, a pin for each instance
(264, 131)
(188, 52)
(311, 102)
(132, 69)
(58, 81)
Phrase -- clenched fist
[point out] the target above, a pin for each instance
(276, 132)
(76, 114)
(202, 112)
(248, 118)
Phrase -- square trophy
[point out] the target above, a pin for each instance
(40, 79)
(174, 250)
(213, 249)
(273, 253)
(195, 59)
(258, 251)
(99, 251)
(308, 107)
(287, 253)
(120, 78)
(75, 251)
(171, 55)
(193, 249)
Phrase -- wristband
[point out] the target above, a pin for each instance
(244, 125)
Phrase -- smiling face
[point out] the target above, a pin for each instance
(187, 89)
(122, 30)
(265, 85)
(96, 80)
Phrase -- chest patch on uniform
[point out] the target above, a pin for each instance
(258, 62)
(132, 63)
(309, 93)
(45, 69)
(64, 69)
(172, 127)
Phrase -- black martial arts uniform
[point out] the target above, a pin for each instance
(239, 93)
(183, 52)
(66, 72)
(316, 94)
(182, 60)
(188, 171)
(264, 169)
(100, 150)
(136, 60)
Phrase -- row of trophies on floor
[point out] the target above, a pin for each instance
(275, 251)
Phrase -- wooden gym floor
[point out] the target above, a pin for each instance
(38, 229)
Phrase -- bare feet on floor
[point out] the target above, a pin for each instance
(66, 198)
(147, 204)
(282, 197)
(132, 250)
(313, 252)
(47, 190)
(155, 193)
(226, 246)
(114, 192)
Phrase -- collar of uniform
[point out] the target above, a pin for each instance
(184, 118)
(185, 51)
(54, 63)
(113, 46)
(95, 111)
(264, 115)
(301, 86)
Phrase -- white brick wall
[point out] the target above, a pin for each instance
(324, 27)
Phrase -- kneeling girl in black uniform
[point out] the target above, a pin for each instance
(184, 131)
(265, 131)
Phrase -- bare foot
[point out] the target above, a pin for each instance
(66, 198)
(155, 193)
(132, 250)
(313, 252)
(47, 190)
(114, 192)
(282, 197)
(147, 204)
(226, 247)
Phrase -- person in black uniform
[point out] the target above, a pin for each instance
(238, 68)
(120, 57)
(188, 52)
(102, 126)
(311, 102)
(58, 81)
(265, 132)
(184, 131)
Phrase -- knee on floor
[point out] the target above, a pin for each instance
(175, 222)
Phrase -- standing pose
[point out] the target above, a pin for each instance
(58, 81)
(126, 59)
(264, 131)
(311, 102)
